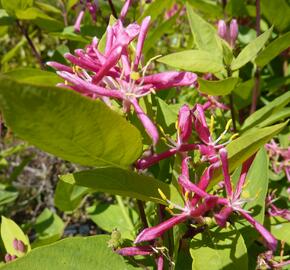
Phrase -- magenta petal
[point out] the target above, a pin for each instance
(245, 168)
(59, 66)
(134, 251)
(225, 166)
(222, 217)
(270, 240)
(146, 121)
(170, 79)
(201, 125)
(77, 25)
(145, 163)
(156, 231)
(109, 40)
(125, 10)
(184, 124)
(188, 185)
(141, 39)
(112, 60)
(222, 29)
(86, 87)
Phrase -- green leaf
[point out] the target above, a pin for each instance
(208, 8)
(68, 197)
(11, 231)
(273, 49)
(78, 253)
(34, 76)
(217, 88)
(49, 228)
(256, 185)
(110, 217)
(193, 60)
(279, 227)
(7, 194)
(167, 115)
(250, 52)
(236, 8)
(277, 12)
(123, 182)
(245, 146)
(220, 249)
(205, 35)
(13, 52)
(48, 8)
(12, 6)
(265, 112)
(39, 18)
(155, 9)
(243, 93)
(69, 125)
(5, 19)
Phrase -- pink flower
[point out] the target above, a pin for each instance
(115, 74)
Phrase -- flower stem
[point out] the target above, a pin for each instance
(142, 214)
(113, 8)
(256, 90)
(32, 46)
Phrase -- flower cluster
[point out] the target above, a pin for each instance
(199, 205)
(118, 73)
(83, 5)
(229, 34)
(280, 158)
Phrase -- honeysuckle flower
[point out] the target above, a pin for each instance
(184, 130)
(137, 250)
(275, 211)
(91, 6)
(229, 34)
(234, 202)
(279, 157)
(209, 148)
(115, 74)
(222, 29)
(194, 208)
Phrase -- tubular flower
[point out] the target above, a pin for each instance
(91, 6)
(113, 73)
(184, 130)
(279, 157)
(234, 202)
(209, 146)
(229, 34)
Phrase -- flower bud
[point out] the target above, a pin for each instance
(222, 29)
(184, 123)
(234, 31)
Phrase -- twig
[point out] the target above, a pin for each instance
(34, 50)
(142, 214)
(256, 90)
(113, 8)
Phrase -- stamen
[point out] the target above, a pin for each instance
(162, 195)
(211, 125)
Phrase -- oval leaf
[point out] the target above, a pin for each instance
(76, 253)
(251, 50)
(218, 250)
(69, 125)
(123, 182)
(11, 231)
(273, 49)
(217, 88)
(193, 60)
